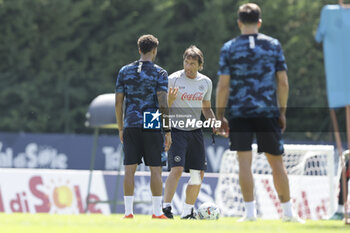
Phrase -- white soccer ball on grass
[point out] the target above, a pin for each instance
(208, 211)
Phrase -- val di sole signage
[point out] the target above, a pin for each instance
(60, 151)
(65, 191)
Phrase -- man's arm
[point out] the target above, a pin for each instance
(172, 95)
(207, 110)
(163, 107)
(222, 93)
(282, 96)
(119, 99)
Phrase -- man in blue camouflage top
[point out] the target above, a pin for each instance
(144, 86)
(253, 83)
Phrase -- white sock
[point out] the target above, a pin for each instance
(250, 210)
(157, 205)
(187, 208)
(166, 204)
(128, 202)
(287, 209)
(340, 209)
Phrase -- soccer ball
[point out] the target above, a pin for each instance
(208, 211)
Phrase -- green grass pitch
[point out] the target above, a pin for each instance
(36, 223)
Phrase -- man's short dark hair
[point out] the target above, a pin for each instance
(146, 43)
(249, 13)
(195, 53)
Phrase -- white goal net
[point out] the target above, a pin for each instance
(312, 179)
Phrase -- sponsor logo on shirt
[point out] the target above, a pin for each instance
(195, 96)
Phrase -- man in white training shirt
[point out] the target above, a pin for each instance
(189, 94)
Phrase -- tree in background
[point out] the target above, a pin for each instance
(58, 55)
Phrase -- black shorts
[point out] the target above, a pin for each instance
(187, 150)
(267, 130)
(140, 143)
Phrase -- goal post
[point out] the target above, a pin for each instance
(313, 181)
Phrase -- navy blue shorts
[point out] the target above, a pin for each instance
(140, 143)
(187, 150)
(267, 130)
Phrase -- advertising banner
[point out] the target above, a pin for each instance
(65, 192)
(63, 151)
(50, 191)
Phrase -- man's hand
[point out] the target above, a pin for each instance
(121, 135)
(216, 130)
(168, 141)
(224, 130)
(283, 122)
(172, 92)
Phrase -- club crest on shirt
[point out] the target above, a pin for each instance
(201, 87)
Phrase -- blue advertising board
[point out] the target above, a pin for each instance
(71, 151)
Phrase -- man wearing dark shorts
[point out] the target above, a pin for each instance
(253, 80)
(144, 86)
(189, 95)
(343, 191)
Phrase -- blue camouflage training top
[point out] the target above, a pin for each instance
(252, 62)
(140, 81)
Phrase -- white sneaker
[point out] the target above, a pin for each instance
(247, 219)
(294, 218)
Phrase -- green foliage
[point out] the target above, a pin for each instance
(58, 55)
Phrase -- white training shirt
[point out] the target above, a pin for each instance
(188, 102)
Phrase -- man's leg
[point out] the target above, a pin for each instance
(339, 213)
(157, 190)
(171, 183)
(176, 163)
(281, 183)
(196, 163)
(170, 189)
(192, 191)
(344, 192)
(341, 200)
(280, 178)
(241, 138)
(246, 182)
(129, 188)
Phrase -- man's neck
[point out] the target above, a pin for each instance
(245, 30)
(146, 58)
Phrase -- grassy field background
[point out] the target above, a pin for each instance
(49, 223)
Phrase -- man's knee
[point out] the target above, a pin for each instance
(176, 172)
(130, 170)
(195, 177)
(156, 171)
(278, 170)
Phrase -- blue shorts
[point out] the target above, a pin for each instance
(140, 143)
(187, 150)
(267, 130)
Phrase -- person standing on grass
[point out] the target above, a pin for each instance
(253, 84)
(339, 213)
(189, 96)
(143, 86)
